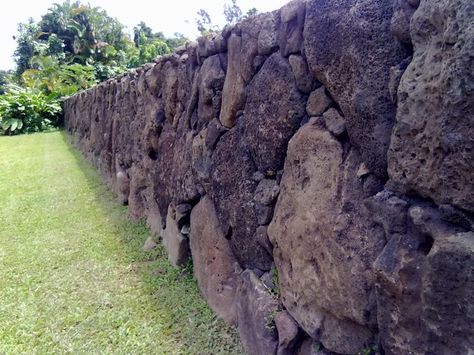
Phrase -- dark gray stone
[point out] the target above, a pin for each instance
(350, 49)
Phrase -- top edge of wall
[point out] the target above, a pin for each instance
(201, 48)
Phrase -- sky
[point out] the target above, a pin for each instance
(167, 16)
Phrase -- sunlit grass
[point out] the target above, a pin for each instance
(73, 276)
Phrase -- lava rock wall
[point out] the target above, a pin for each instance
(317, 165)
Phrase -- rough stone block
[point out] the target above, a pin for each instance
(213, 261)
(175, 243)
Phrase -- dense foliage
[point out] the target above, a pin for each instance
(24, 110)
(73, 47)
(72, 33)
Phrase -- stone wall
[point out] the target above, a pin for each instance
(317, 164)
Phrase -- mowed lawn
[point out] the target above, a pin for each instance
(73, 275)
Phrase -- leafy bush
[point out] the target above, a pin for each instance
(24, 110)
(49, 76)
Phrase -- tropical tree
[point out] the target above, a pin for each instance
(27, 46)
(140, 32)
(71, 48)
(149, 45)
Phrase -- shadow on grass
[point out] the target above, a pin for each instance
(171, 291)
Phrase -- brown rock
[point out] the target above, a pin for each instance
(396, 73)
(324, 242)
(181, 184)
(201, 161)
(268, 36)
(213, 261)
(304, 79)
(357, 262)
(152, 212)
(353, 62)
(204, 144)
(150, 244)
(318, 102)
(152, 79)
(211, 82)
(345, 336)
(432, 149)
(263, 240)
(249, 31)
(448, 295)
(210, 45)
(312, 347)
(169, 90)
(273, 112)
(334, 122)
(233, 94)
(291, 30)
(267, 191)
(255, 309)
(418, 311)
(287, 333)
(176, 244)
(242, 50)
(136, 201)
(123, 186)
(264, 214)
(214, 131)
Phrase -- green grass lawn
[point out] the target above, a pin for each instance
(73, 275)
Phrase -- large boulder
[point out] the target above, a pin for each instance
(324, 244)
(304, 79)
(256, 309)
(176, 182)
(425, 282)
(291, 27)
(273, 112)
(232, 190)
(242, 48)
(233, 93)
(432, 148)
(289, 336)
(213, 262)
(350, 49)
(268, 36)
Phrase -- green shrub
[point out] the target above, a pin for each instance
(276, 281)
(49, 76)
(24, 110)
